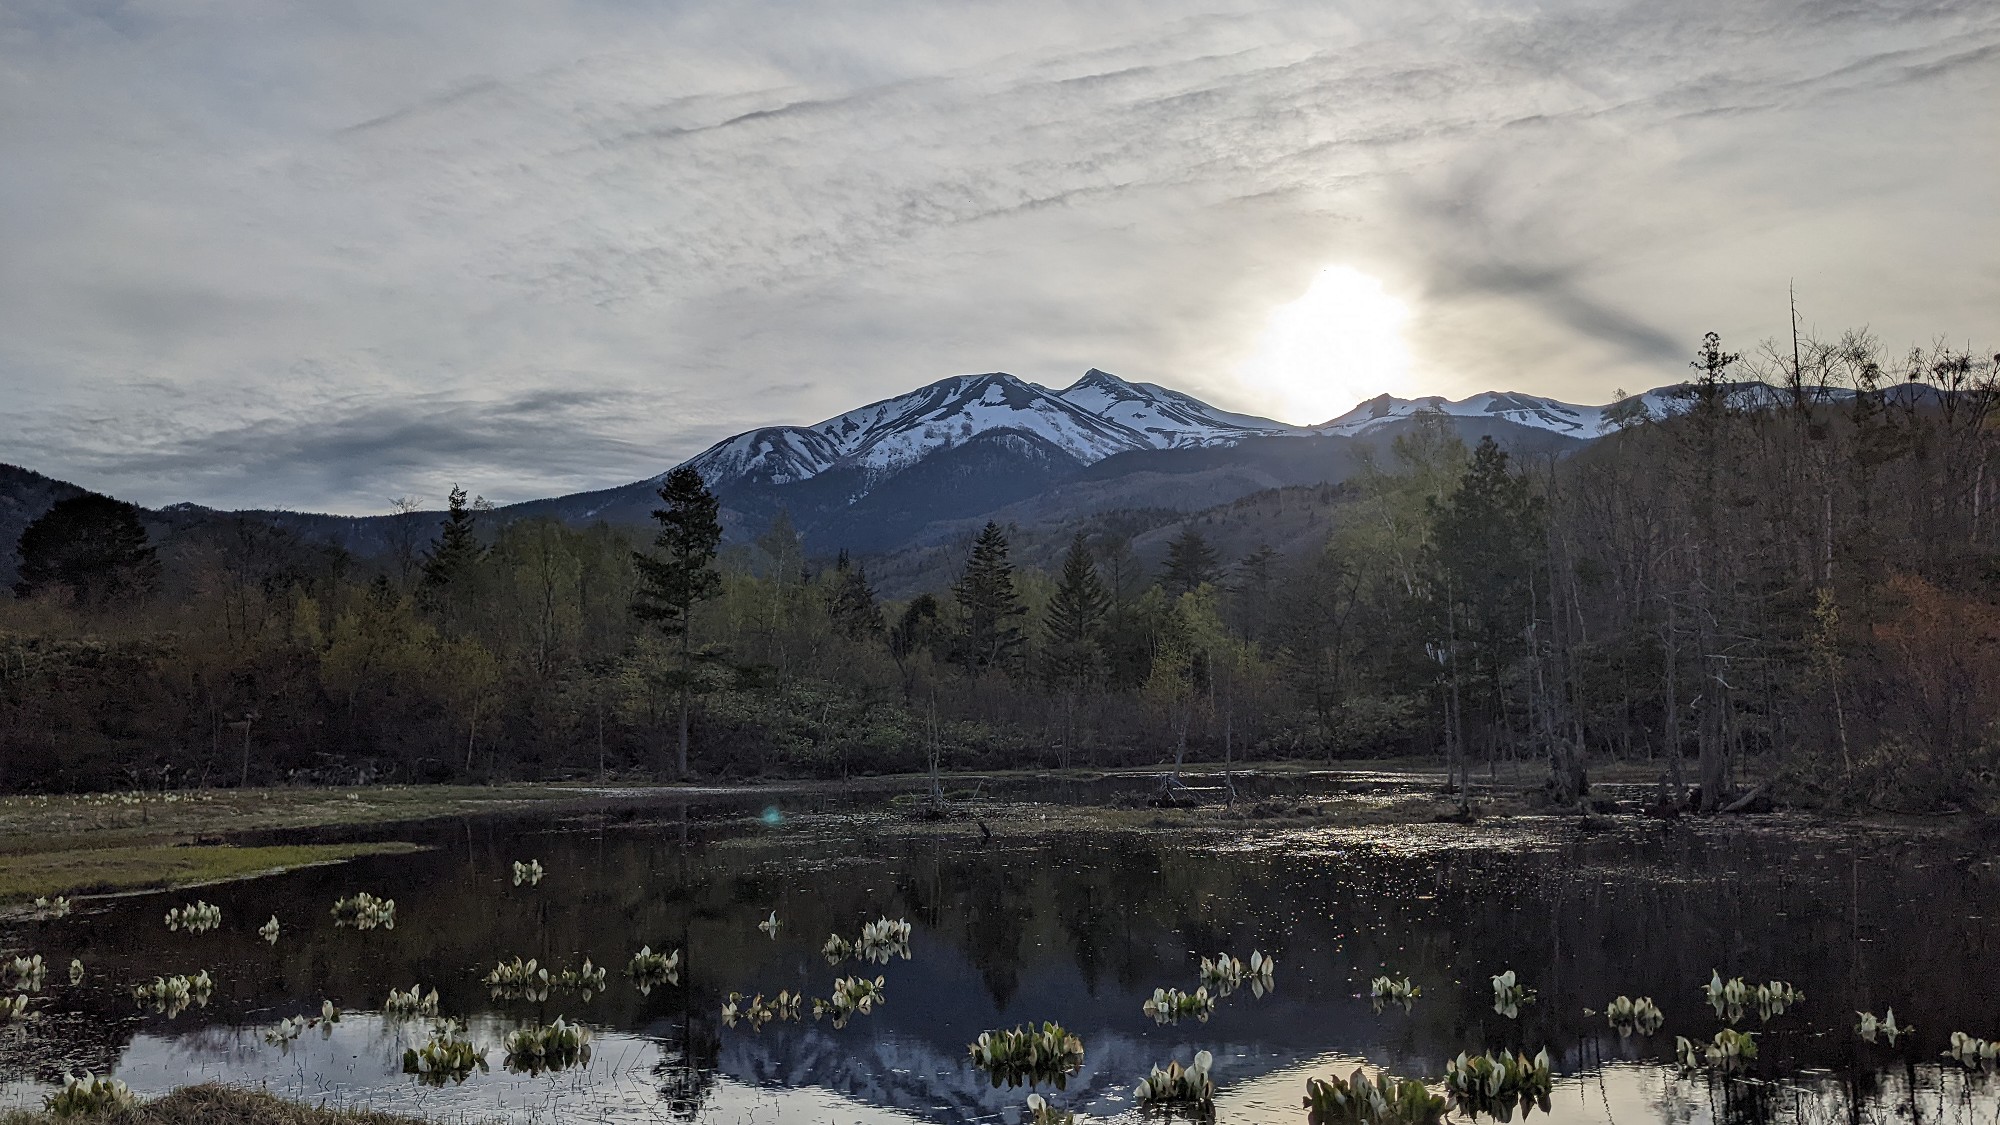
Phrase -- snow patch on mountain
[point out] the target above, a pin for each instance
(894, 433)
(1166, 419)
(1533, 411)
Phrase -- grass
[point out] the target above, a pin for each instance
(35, 824)
(217, 1105)
(152, 866)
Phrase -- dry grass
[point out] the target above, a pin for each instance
(34, 824)
(218, 1105)
(153, 866)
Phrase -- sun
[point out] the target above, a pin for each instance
(1342, 341)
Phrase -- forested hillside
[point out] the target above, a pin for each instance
(1797, 572)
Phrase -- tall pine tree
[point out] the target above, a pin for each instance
(850, 601)
(990, 634)
(451, 559)
(679, 574)
(1075, 620)
(1190, 563)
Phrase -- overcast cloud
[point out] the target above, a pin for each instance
(319, 254)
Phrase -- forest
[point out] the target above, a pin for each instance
(1787, 585)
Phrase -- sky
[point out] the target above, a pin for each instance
(318, 254)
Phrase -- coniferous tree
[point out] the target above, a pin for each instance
(92, 547)
(679, 574)
(851, 601)
(1190, 563)
(990, 636)
(452, 557)
(1075, 619)
(1485, 540)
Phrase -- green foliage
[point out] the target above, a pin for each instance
(990, 636)
(1498, 1085)
(1031, 1055)
(88, 1096)
(1191, 564)
(679, 572)
(1358, 1100)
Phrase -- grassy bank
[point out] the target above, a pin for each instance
(83, 871)
(106, 842)
(217, 1105)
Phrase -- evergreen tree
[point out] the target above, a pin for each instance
(1075, 619)
(679, 574)
(92, 547)
(1190, 564)
(989, 636)
(851, 601)
(1485, 540)
(452, 557)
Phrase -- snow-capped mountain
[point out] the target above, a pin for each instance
(1097, 416)
(1533, 411)
(1166, 419)
(897, 432)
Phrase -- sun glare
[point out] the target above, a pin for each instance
(1339, 343)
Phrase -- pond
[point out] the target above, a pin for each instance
(1057, 919)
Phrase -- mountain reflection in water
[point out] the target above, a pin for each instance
(1076, 926)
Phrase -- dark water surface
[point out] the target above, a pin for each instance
(1073, 924)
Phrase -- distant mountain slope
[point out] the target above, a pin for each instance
(921, 467)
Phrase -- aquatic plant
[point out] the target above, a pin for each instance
(75, 970)
(759, 1011)
(1357, 1100)
(15, 1008)
(446, 1056)
(363, 911)
(878, 943)
(287, 1030)
(882, 931)
(1040, 1112)
(50, 909)
(555, 1047)
(1971, 1052)
(1886, 1028)
(1729, 1049)
(771, 925)
(196, 917)
(1509, 995)
(89, 1095)
(1187, 1088)
(1168, 1005)
(411, 1003)
(1225, 974)
(518, 980)
(1627, 1016)
(529, 872)
(25, 973)
(1773, 998)
(1733, 997)
(583, 981)
(173, 994)
(649, 969)
(1027, 1054)
(269, 930)
(1386, 990)
(851, 996)
(1497, 1085)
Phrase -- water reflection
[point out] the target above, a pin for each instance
(1076, 926)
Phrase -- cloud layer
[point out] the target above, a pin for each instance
(320, 255)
